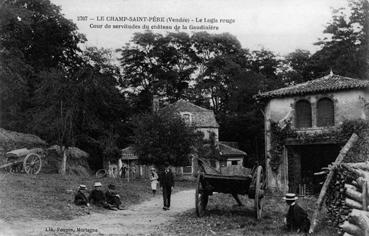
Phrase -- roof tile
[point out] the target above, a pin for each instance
(201, 117)
(327, 83)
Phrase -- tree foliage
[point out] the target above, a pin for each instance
(34, 37)
(89, 97)
(163, 137)
(51, 87)
(345, 47)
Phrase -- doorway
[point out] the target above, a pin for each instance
(304, 161)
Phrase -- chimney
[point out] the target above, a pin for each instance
(155, 103)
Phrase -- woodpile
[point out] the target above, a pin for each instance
(345, 192)
(330, 174)
(348, 197)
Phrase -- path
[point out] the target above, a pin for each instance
(138, 219)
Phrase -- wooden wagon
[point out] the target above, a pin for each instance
(23, 159)
(209, 180)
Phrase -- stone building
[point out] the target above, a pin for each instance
(204, 121)
(229, 155)
(201, 118)
(312, 112)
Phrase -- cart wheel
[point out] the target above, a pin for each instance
(259, 192)
(32, 164)
(201, 198)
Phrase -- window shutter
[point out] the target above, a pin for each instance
(303, 114)
(325, 112)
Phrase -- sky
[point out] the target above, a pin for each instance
(278, 25)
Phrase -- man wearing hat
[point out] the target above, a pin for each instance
(97, 197)
(167, 183)
(112, 197)
(296, 218)
(80, 199)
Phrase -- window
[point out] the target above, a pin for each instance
(325, 112)
(234, 163)
(187, 118)
(187, 170)
(303, 114)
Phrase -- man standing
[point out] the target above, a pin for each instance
(123, 171)
(296, 218)
(167, 183)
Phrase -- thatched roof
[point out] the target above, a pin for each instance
(7, 136)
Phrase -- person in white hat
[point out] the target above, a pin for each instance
(97, 197)
(154, 180)
(80, 199)
(296, 219)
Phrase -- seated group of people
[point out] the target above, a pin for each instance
(109, 200)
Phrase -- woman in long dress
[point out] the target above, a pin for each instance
(154, 180)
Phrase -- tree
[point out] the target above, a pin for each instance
(220, 57)
(89, 98)
(29, 26)
(34, 37)
(295, 68)
(160, 137)
(345, 48)
(13, 90)
(154, 64)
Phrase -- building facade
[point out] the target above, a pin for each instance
(313, 111)
(204, 121)
(201, 118)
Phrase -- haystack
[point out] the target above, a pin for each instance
(11, 140)
(77, 163)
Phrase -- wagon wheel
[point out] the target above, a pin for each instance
(259, 192)
(201, 198)
(32, 164)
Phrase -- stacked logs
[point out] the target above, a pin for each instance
(348, 197)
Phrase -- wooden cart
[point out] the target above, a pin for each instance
(23, 159)
(210, 180)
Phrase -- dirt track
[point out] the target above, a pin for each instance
(143, 219)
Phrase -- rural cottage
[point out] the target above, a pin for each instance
(204, 121)
(301, 127)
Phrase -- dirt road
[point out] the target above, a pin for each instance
(138, 219)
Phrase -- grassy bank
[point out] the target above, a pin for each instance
(224, 218)
(50, 196)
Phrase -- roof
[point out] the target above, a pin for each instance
(227, 151)
(129, 153)
(7, 136)
(201, 117)
(327, 83)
